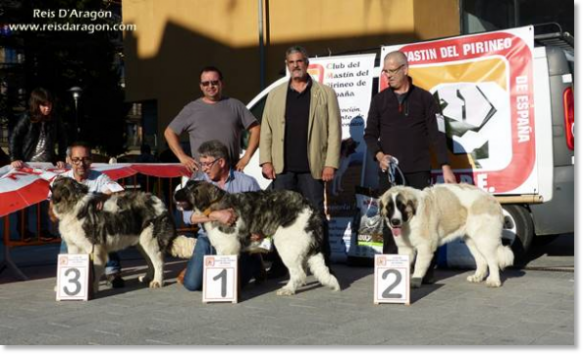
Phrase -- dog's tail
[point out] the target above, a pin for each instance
(321, 272)
(182, 246)
(505, 256)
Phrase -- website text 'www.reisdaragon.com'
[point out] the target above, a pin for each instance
(83, 27)
(57, 14)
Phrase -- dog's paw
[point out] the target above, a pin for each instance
(155, 284)
(284, 291)
(415, 282)
(475, 278)
(493, 283)
(144, 279)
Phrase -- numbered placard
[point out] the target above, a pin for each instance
(220, 279)
(392, 279)
(73, 272)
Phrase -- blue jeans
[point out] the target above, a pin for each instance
(248, 265)
(113, 265)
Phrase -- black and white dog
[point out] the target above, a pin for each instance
(295, 226)
(97, 224)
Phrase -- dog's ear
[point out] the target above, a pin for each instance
(382, 203)
(214, 193)
(56, 195)
(200, 194)
(81, 189)
(411, 207)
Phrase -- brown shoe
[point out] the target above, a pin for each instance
(181, 276)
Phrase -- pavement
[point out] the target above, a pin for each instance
(535, 306)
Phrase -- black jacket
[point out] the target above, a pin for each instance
(406, 134)
(25, 136)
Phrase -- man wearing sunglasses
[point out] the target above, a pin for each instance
(213, 117)
(214, 168)
(80, 159)
(403, 122)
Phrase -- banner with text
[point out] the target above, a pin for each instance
(484, 86)
(351, 77)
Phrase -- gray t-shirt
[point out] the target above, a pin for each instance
(223, 121)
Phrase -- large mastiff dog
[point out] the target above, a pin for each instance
(421, 221)
(96, 224)
(295, 226)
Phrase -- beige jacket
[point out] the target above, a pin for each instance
(324, 129)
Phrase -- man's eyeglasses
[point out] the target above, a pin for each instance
(392, 71)
(210, 82)
(208, 164)
(79, 160)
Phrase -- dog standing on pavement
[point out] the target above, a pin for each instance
(421, 221)
(295, 226)
(93, 223)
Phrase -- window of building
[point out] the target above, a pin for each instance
(490, 15)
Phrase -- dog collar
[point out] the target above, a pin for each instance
(207, 211)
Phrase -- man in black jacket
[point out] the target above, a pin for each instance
(403, 123)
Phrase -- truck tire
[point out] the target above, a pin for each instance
(518, 232)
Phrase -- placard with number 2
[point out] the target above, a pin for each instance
(392, 279)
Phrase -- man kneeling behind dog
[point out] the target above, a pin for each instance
(215, 168)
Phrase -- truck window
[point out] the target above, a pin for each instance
(257, 110)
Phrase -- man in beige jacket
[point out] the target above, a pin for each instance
(300, 137)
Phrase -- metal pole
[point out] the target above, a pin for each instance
(76, 118)
(261, 42)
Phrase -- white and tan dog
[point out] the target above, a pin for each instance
(421, 221)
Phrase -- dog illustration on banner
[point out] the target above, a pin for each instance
(96, 224)
(421, 221)
(294, 225)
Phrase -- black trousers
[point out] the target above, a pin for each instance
(418, 180)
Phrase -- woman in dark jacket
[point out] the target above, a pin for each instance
(34, 137)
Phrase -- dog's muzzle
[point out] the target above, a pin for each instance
(182, 201)
(396, 227)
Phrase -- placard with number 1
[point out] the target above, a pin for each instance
(220, 279)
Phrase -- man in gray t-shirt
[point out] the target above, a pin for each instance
(213, 117)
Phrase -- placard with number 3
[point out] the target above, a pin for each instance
(73, 272)
(220, 279)
(392, 279)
